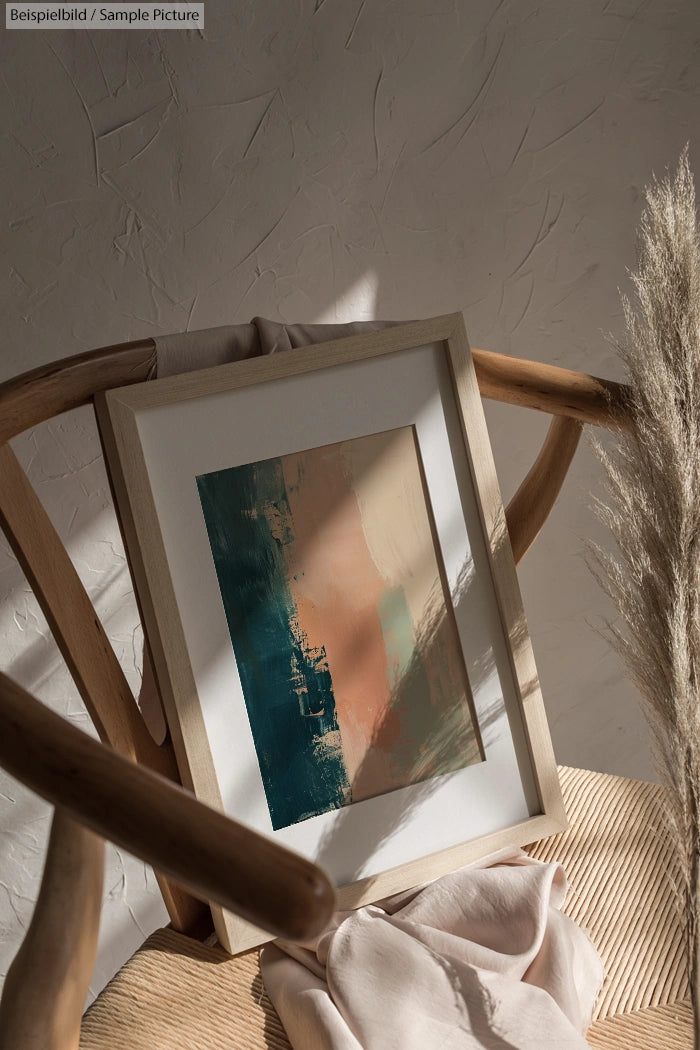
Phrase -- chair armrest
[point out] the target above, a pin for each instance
(160, 822)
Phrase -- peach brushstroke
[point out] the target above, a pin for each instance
(337, 589)
(365, 581)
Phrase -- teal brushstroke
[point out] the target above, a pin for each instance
(287, 684)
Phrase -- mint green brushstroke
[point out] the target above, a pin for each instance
(417, 703)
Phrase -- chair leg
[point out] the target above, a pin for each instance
(46, 986)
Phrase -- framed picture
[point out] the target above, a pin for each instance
(322, 562)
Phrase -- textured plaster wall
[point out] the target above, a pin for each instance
(322, 160)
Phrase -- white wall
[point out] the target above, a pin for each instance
(317, 160)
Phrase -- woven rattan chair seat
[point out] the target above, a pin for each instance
(177, 994)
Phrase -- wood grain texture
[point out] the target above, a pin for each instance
(549, 388)
(302, 360)
(72, 619)
(512, 380)
(119, 413)
(426, 869)
(57, 387)
(159, 822)
(51, 389)
(83, 643)
(47, 983)
(505, 581)
(149, 566)
(532, 503)
(46, 986)
(46, 391)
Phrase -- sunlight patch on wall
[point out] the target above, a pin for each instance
(357, 303)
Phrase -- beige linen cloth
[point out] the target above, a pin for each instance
(482, 958)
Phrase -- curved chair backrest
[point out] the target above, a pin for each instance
(572, 399)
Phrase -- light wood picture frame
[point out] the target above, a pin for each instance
(322, 562)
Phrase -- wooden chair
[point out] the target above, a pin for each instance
(178, 991)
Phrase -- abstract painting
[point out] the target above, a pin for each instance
(341, 622)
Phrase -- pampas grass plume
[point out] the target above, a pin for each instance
(652, 509)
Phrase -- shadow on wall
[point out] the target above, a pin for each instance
(64, 463)
(433, 756)
(316, 162)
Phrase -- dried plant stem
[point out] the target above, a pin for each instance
(653, 512)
